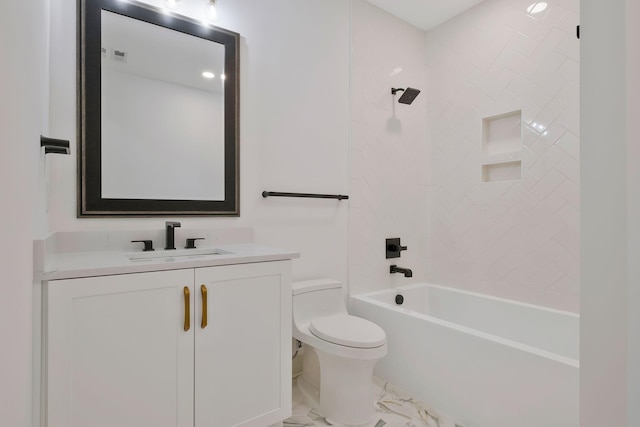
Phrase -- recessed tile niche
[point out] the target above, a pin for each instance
(501, 146)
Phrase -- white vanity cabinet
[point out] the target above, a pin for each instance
(193, 347)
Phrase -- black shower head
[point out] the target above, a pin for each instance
(408, 96)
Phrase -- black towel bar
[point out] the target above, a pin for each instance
(307, 195)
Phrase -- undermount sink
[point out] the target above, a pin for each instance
(178, 253)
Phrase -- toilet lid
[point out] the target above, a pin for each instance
(350, 331)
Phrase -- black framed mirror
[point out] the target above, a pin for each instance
(158, 113)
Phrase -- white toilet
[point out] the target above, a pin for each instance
(340, 352)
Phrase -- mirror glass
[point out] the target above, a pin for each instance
(159, 113)
(162, 93)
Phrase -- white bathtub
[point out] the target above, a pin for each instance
(483, 361)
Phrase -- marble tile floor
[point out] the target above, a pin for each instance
(393, 409)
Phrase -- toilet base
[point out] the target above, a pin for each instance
(344, 390)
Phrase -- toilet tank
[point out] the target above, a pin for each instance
(317, 298)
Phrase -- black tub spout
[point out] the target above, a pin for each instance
(395, 269)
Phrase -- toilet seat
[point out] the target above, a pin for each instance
(346, 330)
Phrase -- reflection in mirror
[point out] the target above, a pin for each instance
(159, 113)
(156, 100)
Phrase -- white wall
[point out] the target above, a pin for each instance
(294, 127)
(518, 238)
(389, 155)
(604, 364)
(22, 83)
(633, 212)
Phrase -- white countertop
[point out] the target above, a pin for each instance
(96, 263)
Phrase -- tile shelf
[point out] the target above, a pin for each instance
(502, 147)
(502, 171)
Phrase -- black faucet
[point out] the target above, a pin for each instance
(171, 241)
(405, 271)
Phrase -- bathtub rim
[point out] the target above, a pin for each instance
(367, 298)
(476, 294)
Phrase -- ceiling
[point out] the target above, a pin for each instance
(425, 14)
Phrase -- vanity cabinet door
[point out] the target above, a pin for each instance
(117, 351)
(243, 353)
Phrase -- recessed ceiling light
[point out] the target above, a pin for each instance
(223, 77)
(208, 74)
(537, 7)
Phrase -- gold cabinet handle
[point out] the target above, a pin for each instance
(203, 289)
(187, 309)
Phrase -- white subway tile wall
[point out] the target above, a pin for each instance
(520, 238)
(389, 154)
(416, 170)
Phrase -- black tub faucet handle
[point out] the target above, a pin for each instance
(393, 248)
